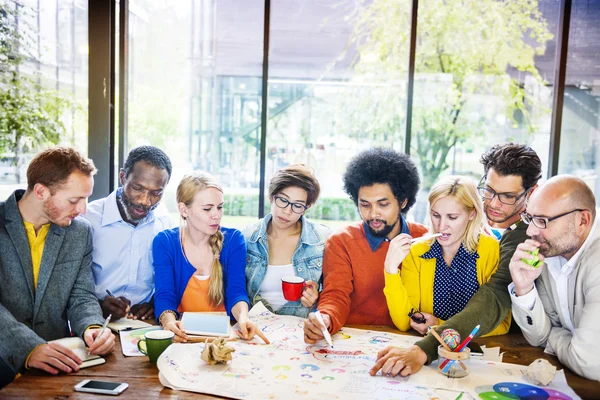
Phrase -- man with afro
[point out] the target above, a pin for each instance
(383, 184)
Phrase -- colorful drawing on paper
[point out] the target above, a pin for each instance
(515, 390)
(130, 339)
(288, 368)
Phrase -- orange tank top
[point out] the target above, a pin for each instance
(195, 297)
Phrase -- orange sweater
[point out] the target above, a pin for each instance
(353, 278)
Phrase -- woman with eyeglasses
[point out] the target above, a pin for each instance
(439, 276)
(285, 243)
(199, 266)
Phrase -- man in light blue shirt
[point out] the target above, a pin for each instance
(123, 227)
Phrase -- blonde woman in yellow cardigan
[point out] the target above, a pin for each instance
(439, 276)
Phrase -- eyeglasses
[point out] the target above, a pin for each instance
(282, 202)
(417, 316)
(505, 198)
(542, 222)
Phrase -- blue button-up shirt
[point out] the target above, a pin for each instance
(122, 254)
(376, 241)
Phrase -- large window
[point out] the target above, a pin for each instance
(43, 81)
(580, 138)
(195, 91)
(484, 75)
(330, 92)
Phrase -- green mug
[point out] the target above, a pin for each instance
(154, 343)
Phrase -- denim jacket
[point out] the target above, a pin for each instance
(307, 260)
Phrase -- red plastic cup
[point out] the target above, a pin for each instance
(292, 287)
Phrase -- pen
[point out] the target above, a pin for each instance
(110, 293)
(101, 331)
(324, 329)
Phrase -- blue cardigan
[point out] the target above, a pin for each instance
(172, 271)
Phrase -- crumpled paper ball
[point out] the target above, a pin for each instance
(540, 372)
(217, 352)
(451, 338)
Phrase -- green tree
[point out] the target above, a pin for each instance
(465, 50)
(29, 115)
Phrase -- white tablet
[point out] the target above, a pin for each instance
(205, 324)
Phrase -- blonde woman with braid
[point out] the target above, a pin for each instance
(200, 265)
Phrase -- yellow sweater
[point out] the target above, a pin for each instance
(412, 287)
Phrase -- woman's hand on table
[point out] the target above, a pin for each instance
(170, 323)
(247, 330)
(423, 328)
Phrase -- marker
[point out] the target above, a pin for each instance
(324, 329)
(426, 237)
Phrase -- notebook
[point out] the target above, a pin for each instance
(206, 324)
(77, 345)
(123, 324)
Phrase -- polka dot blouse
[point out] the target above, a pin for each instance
(454, 285)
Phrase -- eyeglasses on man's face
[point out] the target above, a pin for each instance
(282, 202)
(542, 222)
(489, 194)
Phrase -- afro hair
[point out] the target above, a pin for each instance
(380, 165)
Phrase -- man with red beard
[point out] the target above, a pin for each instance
(383, 184)
(556, 302)
(124, 225)
(45, 268)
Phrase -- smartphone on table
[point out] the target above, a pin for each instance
(101, 387)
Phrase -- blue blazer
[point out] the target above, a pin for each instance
(172, 271)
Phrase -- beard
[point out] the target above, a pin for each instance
(564, 244)
(54, 214)
(383, 232)
(499, 220)
(127, 204)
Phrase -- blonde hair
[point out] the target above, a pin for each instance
(190, 185)
(464, 190)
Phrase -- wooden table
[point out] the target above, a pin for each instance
(142, 376)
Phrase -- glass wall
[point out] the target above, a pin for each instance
(330, 95)
(337, 84)
(484, 75)
(44, 57)
(580, 137)
(195, 91)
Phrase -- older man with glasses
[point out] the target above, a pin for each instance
(557, 302)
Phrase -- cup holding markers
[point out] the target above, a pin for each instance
(453, 358)
(460, 362)
(292, 287)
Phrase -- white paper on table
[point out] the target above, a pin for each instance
(127, 323)
(130, 339)
(290, 369)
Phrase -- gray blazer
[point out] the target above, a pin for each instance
(545, 324)
(65, 288)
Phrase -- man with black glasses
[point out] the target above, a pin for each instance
(557, 302)
(511, 173)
